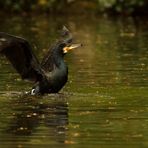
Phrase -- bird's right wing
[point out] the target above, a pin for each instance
(19, 52)
(65, 37)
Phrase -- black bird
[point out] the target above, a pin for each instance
(51, 74)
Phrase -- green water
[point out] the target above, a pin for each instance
(105, 102)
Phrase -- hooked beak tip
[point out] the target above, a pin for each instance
(73, 46)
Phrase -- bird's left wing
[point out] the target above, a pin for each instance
(19, 52)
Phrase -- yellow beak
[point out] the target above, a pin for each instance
(73, 46)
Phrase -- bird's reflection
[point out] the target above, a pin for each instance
(46, 116)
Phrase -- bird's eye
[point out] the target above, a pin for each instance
(33, 92)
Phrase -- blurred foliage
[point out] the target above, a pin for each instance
(126, 6)
(27, 5)
(119, 6)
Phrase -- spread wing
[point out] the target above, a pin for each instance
(19, 52)
(66, 37)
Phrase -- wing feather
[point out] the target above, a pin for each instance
(19, 52)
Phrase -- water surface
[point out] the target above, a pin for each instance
(105, 102)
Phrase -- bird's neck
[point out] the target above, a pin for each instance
(60, 71)
(54, 60)
(58, 60)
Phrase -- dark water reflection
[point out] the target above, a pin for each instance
(34, 120)
(105, 102)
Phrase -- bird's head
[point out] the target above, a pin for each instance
(66, 43)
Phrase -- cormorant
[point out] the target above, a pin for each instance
(51, 74)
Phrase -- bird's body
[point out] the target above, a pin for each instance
(55, 71)
(49, 76)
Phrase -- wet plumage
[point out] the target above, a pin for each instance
(51, 74)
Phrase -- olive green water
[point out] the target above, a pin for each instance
(105, 102)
